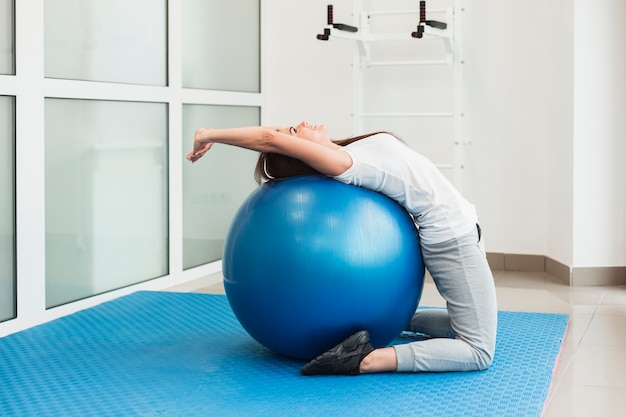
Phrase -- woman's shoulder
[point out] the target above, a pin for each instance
(384, 148)
(384, 136)
(376, 139)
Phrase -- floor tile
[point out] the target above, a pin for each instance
(615, 296)
(526, 299)
(606, 330)
(587, 401)
(598, 366)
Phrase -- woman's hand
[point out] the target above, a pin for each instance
(201, 144)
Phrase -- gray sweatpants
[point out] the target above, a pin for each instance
(464, 334)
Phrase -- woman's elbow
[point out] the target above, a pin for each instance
(267, 141)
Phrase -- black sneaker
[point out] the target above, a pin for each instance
(343, 359)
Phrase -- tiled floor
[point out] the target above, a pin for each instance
(591, 377)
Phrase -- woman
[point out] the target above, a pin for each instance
(462, 337)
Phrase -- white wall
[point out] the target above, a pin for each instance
(307, 79)
(558, 21)
(599, 133)
(544, 103)
(506, 95)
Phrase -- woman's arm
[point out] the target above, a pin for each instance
(326, 160)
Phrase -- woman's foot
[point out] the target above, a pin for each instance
(343, 359)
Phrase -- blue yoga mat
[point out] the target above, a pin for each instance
(184, 354)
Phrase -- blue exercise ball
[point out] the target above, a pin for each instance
(309, 260)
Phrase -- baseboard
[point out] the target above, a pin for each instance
(572, 276)
(516, 262)
(599, 276)
(558, 270)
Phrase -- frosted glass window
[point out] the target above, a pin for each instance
(106, 196)
(7, 60)
(221, 45)
(7, 208)
(216, 185)
(106, 40)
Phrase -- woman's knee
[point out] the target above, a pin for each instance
(484, 358)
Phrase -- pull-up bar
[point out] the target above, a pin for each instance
(338, 26)
(423, 21)
(419, 33)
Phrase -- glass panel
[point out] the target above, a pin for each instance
(106, 196)
(100, 39)
(221, 45)
(7, 36)
(7, 208)
(215, 186)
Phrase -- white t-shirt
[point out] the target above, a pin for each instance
(383, 163)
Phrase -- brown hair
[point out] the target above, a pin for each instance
(274, 166)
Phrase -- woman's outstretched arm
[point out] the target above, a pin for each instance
(325, 159)
(253, 137)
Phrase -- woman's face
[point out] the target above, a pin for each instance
(304, 130)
